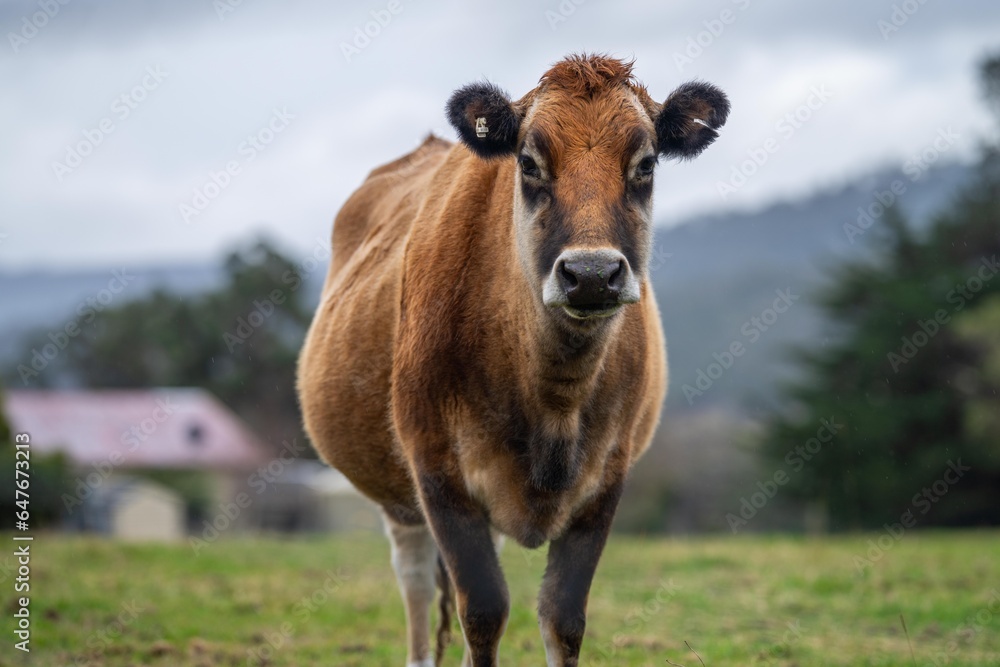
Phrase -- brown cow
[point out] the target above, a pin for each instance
(487, 357)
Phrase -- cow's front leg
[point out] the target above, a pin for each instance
(462, 532)
(414, 558)
(573, 557)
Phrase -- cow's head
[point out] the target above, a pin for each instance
(586, 143)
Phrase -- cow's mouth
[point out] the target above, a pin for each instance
(591, 312)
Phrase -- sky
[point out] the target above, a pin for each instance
(139, 132)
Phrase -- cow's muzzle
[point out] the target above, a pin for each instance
(590, 283)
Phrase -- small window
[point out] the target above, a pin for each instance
(196, 435)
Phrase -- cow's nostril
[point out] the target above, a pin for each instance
(617, 277)
(568, 276)
(590, 280)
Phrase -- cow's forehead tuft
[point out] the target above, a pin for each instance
(585, 75)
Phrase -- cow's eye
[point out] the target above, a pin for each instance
(646, 167)
(529, 167)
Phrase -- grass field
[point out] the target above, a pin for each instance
(333, 601)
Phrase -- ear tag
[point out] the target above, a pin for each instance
(481, 129)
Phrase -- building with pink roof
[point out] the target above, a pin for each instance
(114, 439)
(143, 428)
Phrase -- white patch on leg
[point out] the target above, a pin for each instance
(414, 558)
(498, 541)
(553, 647)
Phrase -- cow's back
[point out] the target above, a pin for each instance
(346, 361)
(383, 208)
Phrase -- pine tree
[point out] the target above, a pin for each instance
(912, 375)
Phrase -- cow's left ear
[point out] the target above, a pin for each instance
(689, 120)
(485, 119)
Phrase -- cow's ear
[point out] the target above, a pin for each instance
(485, 119)
(689, 120)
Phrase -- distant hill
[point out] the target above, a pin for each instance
(725, 269)
(48, 300)
(722, 270)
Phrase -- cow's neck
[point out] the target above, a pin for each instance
(557, 382)
(557, 371)
(569, 367)
(568, 363)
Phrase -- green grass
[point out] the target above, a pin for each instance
(745, 601)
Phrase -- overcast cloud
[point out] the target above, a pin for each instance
(208, 78)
